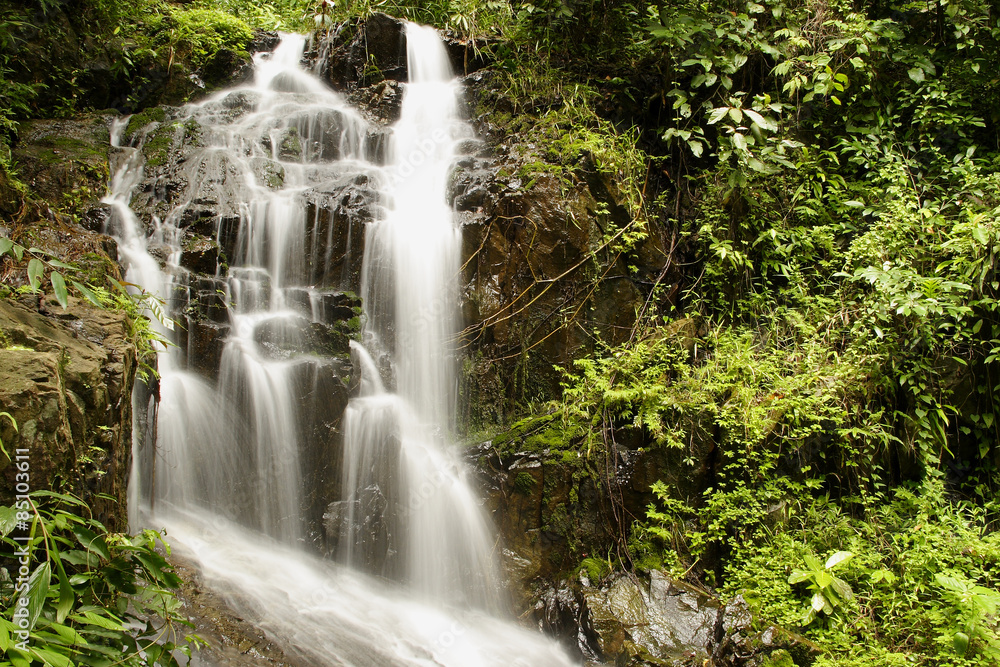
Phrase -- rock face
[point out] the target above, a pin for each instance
(652, 620)
(66, 378)
(361, 53)
(66, 163)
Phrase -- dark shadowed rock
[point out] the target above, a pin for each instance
(360, 53)
(66, 161)
(383, 100)
(336, 214)
(199, 254)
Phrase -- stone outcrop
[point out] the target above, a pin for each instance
(66, 378)
(654, 620)
(362, 53)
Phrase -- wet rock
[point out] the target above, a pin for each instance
(95, 218)
(230, 641)
(325, 306)
(199, 254)
(466, 55)
(291, 336)
(563, 613)
(383, 100)
(67, 380)
(470, 188)
(336, 214)
(665, 621)
(359, 53)
(322, 385)
(66, 161)
(203, 342)
(242, 101)
(264, 41)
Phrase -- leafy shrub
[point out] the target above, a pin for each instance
(92, 597)
(197, 34)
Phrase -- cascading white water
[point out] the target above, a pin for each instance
(226, 475)
(431, 532)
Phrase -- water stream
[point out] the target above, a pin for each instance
(413, 580)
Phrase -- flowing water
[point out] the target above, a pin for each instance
(414, 581)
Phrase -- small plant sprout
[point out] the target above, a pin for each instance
(828, 591)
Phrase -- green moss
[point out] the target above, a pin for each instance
(290, 147)
(780, 658)
(596, 568)
(196, 35)
(158, 146)
(516, 439)
(524, 483)
(144, 118)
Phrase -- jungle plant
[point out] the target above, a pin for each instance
(92, 597)
(828, 590)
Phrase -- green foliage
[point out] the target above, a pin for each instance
(918, 560)
(471, 18)
(39, 262)
(140, 307)
(596, 569)
(828, 590)
(197, 34)
(92, 597)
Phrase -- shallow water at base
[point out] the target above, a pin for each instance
(326, 614)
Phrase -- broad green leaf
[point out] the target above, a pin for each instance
(68, 634)
(61, 265)
(736, 114)
(717, 115)
(5, 639)
(838, 558)
(18, 658)
(961, 642)
(35, 270)
(739, 141)
(88, 293)
(92, 542)
(5, 245)
(112, 623)
(842, 588)
(38, 588)
(760, 120)
(798, 576)
(51, 658)
(917, 74)
(8, 520)
(818, 602)
(66, 599)
(59, 288)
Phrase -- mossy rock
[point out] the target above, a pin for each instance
(780, 658)
(143, 119)
(66, 161)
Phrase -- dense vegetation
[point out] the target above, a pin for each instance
(829, 171)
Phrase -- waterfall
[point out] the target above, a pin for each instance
(433, 534)
(230, 475)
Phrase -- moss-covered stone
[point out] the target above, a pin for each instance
(144, 118)
(66, 161)
(67, 381)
